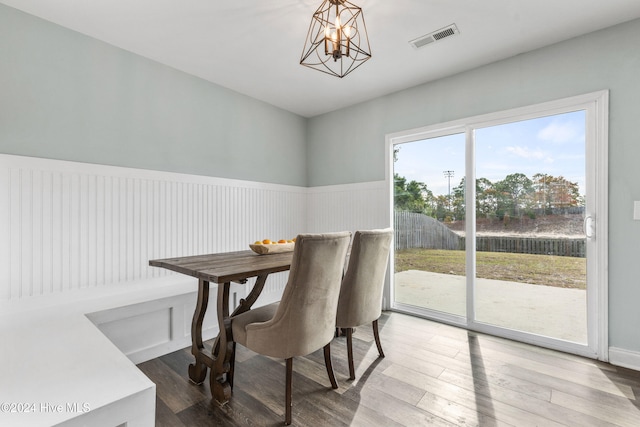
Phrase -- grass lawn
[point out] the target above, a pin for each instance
(549, 270)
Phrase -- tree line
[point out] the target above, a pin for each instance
(515, 196)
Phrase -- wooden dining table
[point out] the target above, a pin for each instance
(222, 269)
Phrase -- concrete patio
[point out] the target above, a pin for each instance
(544, 310)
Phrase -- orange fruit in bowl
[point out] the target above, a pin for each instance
(266, 241)
(282, 241)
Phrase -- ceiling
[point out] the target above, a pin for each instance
(254, 46)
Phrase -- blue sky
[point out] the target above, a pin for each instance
(553, 145)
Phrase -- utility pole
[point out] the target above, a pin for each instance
(449, 175)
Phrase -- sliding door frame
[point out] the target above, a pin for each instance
(596, 106)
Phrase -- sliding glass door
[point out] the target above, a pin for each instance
(531, 253)
(495, 221)
(428, 217)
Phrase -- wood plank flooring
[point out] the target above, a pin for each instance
(432, 375)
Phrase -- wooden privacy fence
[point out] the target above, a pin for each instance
(573, 247)
(414, 230)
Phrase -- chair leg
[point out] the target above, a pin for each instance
(376, 335)
(287, 418)
(329, 366)
(352, 369)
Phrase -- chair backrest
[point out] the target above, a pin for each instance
(306, 314)
(361, 291)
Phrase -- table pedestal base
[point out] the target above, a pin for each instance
(222, 355)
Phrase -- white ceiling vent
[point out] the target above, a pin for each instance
(440, 34)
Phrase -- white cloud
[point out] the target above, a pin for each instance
(526, 153)
(561, 132)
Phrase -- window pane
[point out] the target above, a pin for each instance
(530, 244)
(429, 223)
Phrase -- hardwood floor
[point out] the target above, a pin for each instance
(432, 375)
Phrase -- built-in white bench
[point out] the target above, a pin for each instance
(70, 358)
(58, 367)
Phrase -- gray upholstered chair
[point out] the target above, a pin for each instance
(304, 319)
(360, 300)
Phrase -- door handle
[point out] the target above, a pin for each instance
(589, 229)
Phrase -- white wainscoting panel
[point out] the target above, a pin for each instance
(67, 226)
(348, 207)
(351, 207)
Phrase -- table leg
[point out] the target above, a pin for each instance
(222, 349)
(246, 304)
(198, 370)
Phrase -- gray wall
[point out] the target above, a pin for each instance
(67, 96)
(608, 59)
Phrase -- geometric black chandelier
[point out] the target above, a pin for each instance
(337, 42)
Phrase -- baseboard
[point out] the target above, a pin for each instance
(624, 358)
